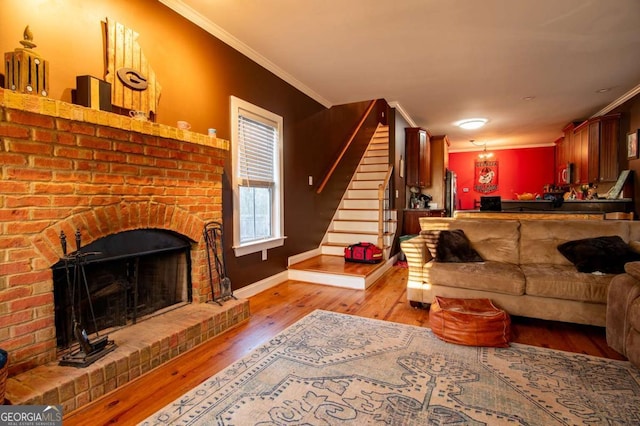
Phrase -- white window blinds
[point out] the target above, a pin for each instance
(256, 151)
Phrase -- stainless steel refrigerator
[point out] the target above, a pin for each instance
(450, 193)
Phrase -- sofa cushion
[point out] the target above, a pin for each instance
(499, 277)
(606, 254)
(634, 315)
(564, 282)
(450, 246)
(539, 239)
(496, 240)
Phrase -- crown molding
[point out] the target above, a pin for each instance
(615, 104)
(403, 113)
(206, 24)
(454, 150)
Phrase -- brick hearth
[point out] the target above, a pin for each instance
(65, 167)
(141, 347)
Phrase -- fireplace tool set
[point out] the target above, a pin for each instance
(214, 239)
(88, 350)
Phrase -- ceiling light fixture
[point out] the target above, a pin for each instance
(484, 155)
(471, 123)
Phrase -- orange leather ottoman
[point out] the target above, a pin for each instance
(471, 322)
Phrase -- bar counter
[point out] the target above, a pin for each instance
(545, 209)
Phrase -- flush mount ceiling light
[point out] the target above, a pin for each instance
(471, 123)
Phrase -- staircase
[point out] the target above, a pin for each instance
(356, 220)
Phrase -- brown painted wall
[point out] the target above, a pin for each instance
(198, 73)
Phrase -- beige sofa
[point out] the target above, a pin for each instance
(522, 272)
(623, 313)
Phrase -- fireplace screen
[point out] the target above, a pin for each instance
(129, 275)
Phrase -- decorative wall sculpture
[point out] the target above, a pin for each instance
(133, 81)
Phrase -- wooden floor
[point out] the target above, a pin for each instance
(277, 308)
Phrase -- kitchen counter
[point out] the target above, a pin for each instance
(544, 209)
(582, 206)
(556, 215)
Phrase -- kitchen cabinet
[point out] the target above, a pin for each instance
(580, 153)
(593, 148)
(564, 152)
(439, 165)
(609, 148)
(594, 151)
(411, 219)
(418, 157)
(561, 159)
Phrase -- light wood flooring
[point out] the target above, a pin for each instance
(275, 309)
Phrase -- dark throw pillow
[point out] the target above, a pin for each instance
(451, 246)
(602, 254)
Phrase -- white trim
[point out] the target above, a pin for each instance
(262, 285)
(403, 113)
(380, 271)
(334, 280)
(297, 258)
(355, 283)
(502, 147)
(622, 99)
(206, 24)
(277, 240)
(259, 246)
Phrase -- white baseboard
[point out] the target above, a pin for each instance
(262, 285)
(304, 256)
(339, 281)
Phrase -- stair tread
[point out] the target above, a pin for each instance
(357, 220)
(359, 232)
(334, 264)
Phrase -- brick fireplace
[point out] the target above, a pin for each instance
(68, 168)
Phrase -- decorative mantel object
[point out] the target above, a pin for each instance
(93, 93)
(25, 70)
(133, 81)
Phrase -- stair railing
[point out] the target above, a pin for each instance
(324, 181)
(384, 212)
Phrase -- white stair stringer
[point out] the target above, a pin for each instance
(356, 219)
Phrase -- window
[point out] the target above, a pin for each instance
(256, 137)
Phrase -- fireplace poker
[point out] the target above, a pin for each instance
(213, 234)
(89, 351)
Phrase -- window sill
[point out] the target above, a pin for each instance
(259, 246)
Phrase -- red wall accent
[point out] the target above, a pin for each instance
(519, 170)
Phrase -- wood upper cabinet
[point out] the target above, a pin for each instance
(580, 153)
(439, 165)
(418, 153)
(593, 149)
(561, 157)
(609, 148)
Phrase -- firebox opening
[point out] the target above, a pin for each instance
(129, 275)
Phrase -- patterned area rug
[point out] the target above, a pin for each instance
(336, 369)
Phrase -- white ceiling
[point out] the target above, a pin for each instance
(439, 61)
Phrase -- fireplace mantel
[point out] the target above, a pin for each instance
(59, 109)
